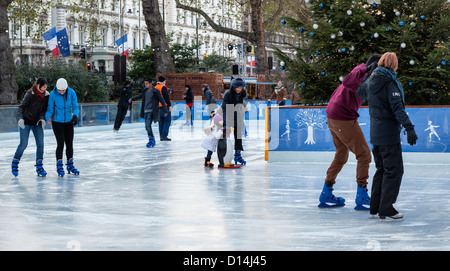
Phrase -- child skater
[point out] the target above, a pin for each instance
(212, 135)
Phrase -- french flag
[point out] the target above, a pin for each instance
(122, 43)
(52, 41)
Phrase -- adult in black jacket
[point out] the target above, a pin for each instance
(211, 103)
(385, 97)
(233, 115)
(151, 99)
(123, 105)
(31, 114)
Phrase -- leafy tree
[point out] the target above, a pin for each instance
(89, 86)
(342, 34)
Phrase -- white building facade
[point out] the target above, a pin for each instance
(111, 15)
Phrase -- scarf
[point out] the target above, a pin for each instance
(391, 74)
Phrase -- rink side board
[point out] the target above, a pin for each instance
(304, 129)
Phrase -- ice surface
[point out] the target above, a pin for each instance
(128, 197)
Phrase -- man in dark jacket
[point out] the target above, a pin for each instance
(211, 103)
(123, 105)
(164, 120)
(385, 97)
(151, 98)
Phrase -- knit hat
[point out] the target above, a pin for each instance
(161, 79)
(238, 82)
(61, 84)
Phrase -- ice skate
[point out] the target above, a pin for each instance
(396, 216)
(238, 158)
(60, 168)
(328, 200)
(362, 199)
(208, 163)
(40, 168)
(15, 167)
(151, 142)
(71, 168)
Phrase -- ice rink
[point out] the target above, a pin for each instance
(129, 197)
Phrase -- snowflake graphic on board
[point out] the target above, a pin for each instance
(311, 118)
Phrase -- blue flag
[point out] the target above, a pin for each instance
(63, 42)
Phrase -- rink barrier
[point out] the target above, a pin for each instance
(98, 114)
(303, 129)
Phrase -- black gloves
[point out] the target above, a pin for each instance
(411, 134)
(74, 120)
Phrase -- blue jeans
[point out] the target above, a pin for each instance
(148, 117)
(38, 133)
(164, 124)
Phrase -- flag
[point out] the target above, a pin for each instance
(63, 42)
(52, 42)
(251, 61)
(122, 43)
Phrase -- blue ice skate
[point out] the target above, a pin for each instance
(238, 158)
(71, 168)
(59, 168)
(15, 167)
(151, 142)
(362, 198)
(328, 200)
(40, 169)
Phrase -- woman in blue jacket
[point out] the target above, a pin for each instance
(63, 110)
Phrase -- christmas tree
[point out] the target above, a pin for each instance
(341, 34)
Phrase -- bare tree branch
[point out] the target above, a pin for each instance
(242, 34)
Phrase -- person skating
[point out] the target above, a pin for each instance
(31, 115)
(342, 120)
(233, 116)
(64, 112)
(123, 105)
(151, 100)
(165, 119)
(212, 135)
(211, 103)
(280, 93)
(189, 98)
(385, 97)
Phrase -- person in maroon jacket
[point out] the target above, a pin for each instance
(342, 120)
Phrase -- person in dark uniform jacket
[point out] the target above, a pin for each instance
(123, 105)
(384, 94)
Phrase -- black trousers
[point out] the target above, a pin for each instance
(387, 179)
(120, 116)
(64, 135)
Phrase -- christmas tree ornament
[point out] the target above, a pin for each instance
(401, 23)
(311, 34)
(413, 24)
(422, 17)
(403, 45)
(333, 36)
(315, 26)
(283, 21)
(376, 35)
(410, 83)
(387, 29)
(318, 52)
(301, 30)
(349, 12)
(340, 33)
(343, 50)
(362, 24)
(397, 13)
(411, 62)
(443, 62)
(352, 48)
(303, 84)
(321, 5)
(322, 73)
